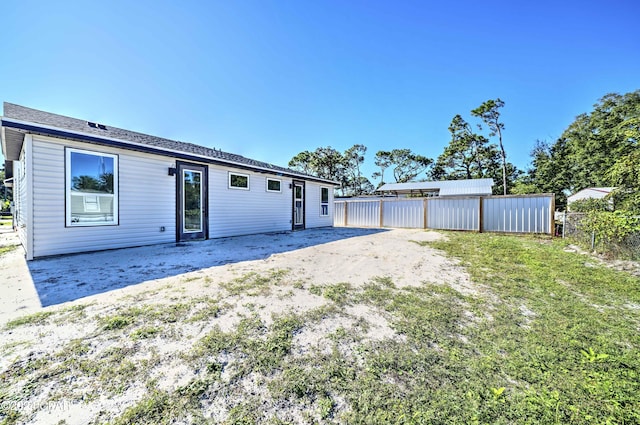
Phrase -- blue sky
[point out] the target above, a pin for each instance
(268, 79)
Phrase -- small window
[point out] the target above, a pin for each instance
(91, 189)
(238, 181)
(324, 201)
(273, 185)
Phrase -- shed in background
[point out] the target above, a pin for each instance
(471, 187)
(589, 193)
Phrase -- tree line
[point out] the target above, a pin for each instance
(469, 155)
(599, 149)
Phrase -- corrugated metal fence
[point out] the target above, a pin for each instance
(509, 214)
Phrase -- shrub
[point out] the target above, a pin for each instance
(611, 227)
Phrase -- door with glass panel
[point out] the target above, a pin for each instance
(298, 205)
(192, 218)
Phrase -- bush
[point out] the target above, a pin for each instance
(612, 229)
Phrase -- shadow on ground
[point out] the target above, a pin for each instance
(67, 278)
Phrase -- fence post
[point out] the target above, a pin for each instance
(564, 223)
(480, 215)
(424, 212)
(346, 212)
(552, 225)
(381, 214)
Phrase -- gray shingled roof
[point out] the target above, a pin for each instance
(30, 115)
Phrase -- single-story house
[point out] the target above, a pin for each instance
(589, 193)
(83, 186)
(470, 187)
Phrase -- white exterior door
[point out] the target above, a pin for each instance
(298, 205)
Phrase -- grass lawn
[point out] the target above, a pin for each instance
(550, 337)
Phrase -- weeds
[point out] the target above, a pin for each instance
(8, 248)
(34, 319)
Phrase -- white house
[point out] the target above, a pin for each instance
(470, 187)
(589, 192)
(82, 186)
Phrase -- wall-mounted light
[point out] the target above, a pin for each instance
(290, 186)
(172, 171)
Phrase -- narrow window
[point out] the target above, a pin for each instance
(91, 188)
(324, 201)
(273, 185)
(238, 181)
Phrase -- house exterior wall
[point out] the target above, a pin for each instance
(146, 201)
(313, 217)
(234, 212)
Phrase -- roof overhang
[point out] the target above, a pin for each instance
(13, 132)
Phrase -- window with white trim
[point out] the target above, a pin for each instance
(238, 181)
(274, 185)
(324, 201)
(91, 188)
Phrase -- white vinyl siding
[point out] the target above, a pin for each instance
(313, 210)
(20, 197)
(146, 201)
(245, 212)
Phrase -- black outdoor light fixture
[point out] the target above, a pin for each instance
(172, 171)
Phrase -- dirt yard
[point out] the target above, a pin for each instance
(119, 325)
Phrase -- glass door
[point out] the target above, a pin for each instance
(192, 201)
(298, 205)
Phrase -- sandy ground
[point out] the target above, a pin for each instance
(327, 255)
(111, 280)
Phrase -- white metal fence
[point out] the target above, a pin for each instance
(509, 214)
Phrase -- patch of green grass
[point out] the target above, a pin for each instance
(156, 408)
(8, 416)
(39, 318)
(337, 293)
(145, 332)
(8, 248)
(116, 322)
(575, 359)
(145, 315)
(254, 283)
(204, 309)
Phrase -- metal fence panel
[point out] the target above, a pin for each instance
(363, 213)
(338, 213)
(453, 213)
(517, 214)
(407, 213)
(510, 214)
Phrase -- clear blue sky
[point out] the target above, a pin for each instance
(268, 79)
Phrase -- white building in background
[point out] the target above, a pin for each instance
(589, 193)
(472, 187)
